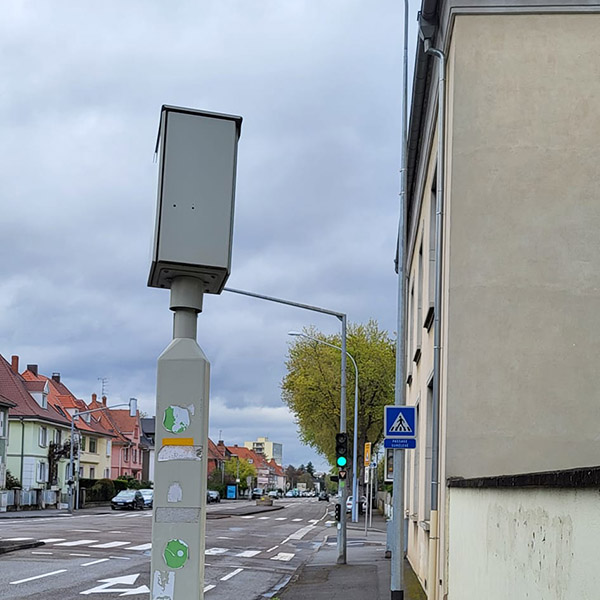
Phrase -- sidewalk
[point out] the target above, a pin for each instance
(366, 576)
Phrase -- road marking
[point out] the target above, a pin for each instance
(281, 519)
(248, 517)
(140, 547)
(15, 539)
(107, 586)
(248, 553)
(38, 577)
(115, 532)
(296, 520)
(224, 537)
(75, 554)
(232, 574)
(263, 518)
(313, 520)
(273, 548)
(94, 562)
(110, 545)
(86, 530)
(284, 556)
(121, 557)
(34, 552)
(53, 540)
(77, 543)
(209, 587)
(214, 551)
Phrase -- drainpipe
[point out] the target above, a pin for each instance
(437, 337)
(22, 449)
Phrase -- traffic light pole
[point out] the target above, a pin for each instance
(342, 487)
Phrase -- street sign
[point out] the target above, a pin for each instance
(400, 443)
(342, 474)
(367, 454)
(399, 421)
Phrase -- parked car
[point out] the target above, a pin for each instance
(324, 496)
(128, 499)
(289, 494)
(273, 494)
(148, 497)
(257, 493)
(362, 505)
(213, 496)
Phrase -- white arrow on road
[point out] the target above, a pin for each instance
(106, 586)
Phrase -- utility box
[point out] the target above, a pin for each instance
(196, 193)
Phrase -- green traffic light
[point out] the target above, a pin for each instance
(342, 461)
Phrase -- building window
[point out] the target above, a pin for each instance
(107, 473)
(93, 445)
(42, 472)
(57, 436)
(419, 326)
(126, 454)
(80, 471)
(431, 267)
(2, 433)
(82, 442)
(92, 473)
(108, 447)
(134, 455)
(43, 438)
(44, 400)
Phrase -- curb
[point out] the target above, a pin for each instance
(23, 546)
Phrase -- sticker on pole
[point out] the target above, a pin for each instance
(177, 418)
(399, 422)
(176, 553)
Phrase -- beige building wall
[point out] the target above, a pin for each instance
(521, 257)
(524, 257)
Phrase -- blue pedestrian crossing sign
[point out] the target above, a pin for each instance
(400, 422)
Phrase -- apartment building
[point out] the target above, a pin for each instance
(516, 394)
(270, 450)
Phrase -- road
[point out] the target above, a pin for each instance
(107, 555)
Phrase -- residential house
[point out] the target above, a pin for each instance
(5, 404)
(263, 479)
(218, 455)
(127, 449)
(35, 428)
(502, 497)
(277, 477)
(93, 458)
(148, 426)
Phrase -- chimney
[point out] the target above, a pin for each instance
(103, 400)
(94, 398)
(33, 369)
(56, 377)
(220, 443)
(14, 363)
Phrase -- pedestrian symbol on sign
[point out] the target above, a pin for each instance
(400, 425)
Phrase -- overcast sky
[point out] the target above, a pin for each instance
(318, 85)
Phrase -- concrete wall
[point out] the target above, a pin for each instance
(515, 543)
(523, 337)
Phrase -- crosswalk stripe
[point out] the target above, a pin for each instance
(232, 574)
(77, 543)
(94, 562)
(53, 540)
(284, 556)
(248, 517)
(140, 547)
(248, 553)
(281, 519)
(21, 539)
(263, 518)
(110, 545)
(209, 587)
(215, 551)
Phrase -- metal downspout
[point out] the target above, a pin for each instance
(432, 585)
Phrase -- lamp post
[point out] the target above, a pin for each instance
(132, 412)
(355, 437)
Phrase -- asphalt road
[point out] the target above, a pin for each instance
(107, 555)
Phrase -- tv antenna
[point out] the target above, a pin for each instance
(104, 381)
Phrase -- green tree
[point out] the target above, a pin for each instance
(311, 388)
(310, 469)
(245, 470)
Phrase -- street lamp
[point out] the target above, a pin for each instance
(132, 412)
(355, 437)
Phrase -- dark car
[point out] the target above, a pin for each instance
(213, 496)
(128, 499)
(148, 497)
(324, 496)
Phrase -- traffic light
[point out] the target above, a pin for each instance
(338, 512)
(341, 450)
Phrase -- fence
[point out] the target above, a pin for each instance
(15, 499)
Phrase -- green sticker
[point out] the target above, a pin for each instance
(176, 553)
(176, 419)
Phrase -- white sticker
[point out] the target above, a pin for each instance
(175, 493)
(163, 585)
(167, 453)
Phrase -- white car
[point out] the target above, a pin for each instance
(362, 507)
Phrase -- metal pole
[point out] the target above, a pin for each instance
(71, 480)
(341, 531)
(397, 528)
(341, 539)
